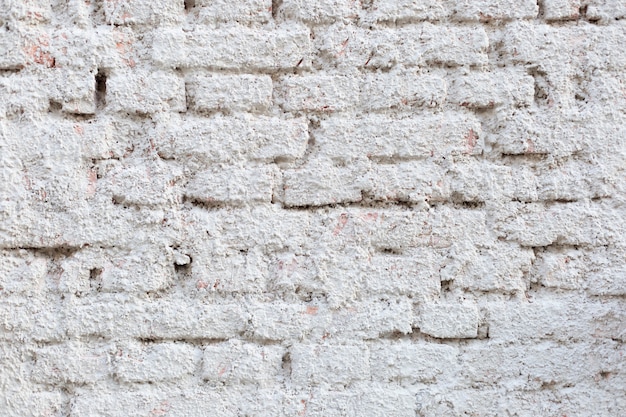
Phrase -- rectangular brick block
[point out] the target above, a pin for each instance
(145, 92)
(12, 55)
(479, 181)
(332, 365)
(487, 10)
(561, 9)
(329, 93)
(408, 362)
(574, 223)
(606, 10)
(366, 400)
(232, 139)
(550, 317)
(22, 272)
(236, 362)
(284, 321)
(318, 12)
(72, 362)
(29, 11)
(357, 47)
(146, 12)
(142, 269)
(485, 90)
(320, 182)
(413, 181)
(154, 362)
(500, 266)
(372, 319)
(449, 320)
(233, 185)
(111, 316)
(228, 273)
(265, 50)
(415, 274)
(540, 363)
(384, 137)
(401, 11)
(150, 184)
(211, 92)
(245, 11)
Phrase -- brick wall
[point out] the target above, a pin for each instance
(312, 208)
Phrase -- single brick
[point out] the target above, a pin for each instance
(294, 273)
(527, 132)
(561, 9)
(449, 320)
(486, 10)
(371, 319)
(486, 89)
(414, 182)
(145, 92)
(32, 12)
(142, 183)
(231, 272)
(384, 137)
(142, 269)
(21, 272)
(210, 92)
(402, 11)
(326, 364)
(577, 180)
(231, 139)
(112, 316)
(415, 274)
(238, 48)
(349, 46)
(235, 362)
(575, 223)
(143, 12)
(501, 266)
(606, 273)
(318, 12)
(320, 182)
(479, 181)
(563, 268)
(401, 91)
(317, 92)
(365, 400)
(233, 185)
(538, 364)
(154, 362)
(328, 93)
(245, 11)
(408, 362)
(283, 321)
(551, 317)
(72, 362)
(12, 53)
(606, 10)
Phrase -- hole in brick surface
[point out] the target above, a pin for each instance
(446, 286)
(275, 6)
(54, 106)
(95, 279)
(101, 89)
(190, 4)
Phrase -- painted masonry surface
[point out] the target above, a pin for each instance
(312, 208)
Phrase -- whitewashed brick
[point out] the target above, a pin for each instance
(212, 92)
(242, 363)
(329, 364)
(449, 320)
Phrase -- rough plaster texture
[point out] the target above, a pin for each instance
(312, 208)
